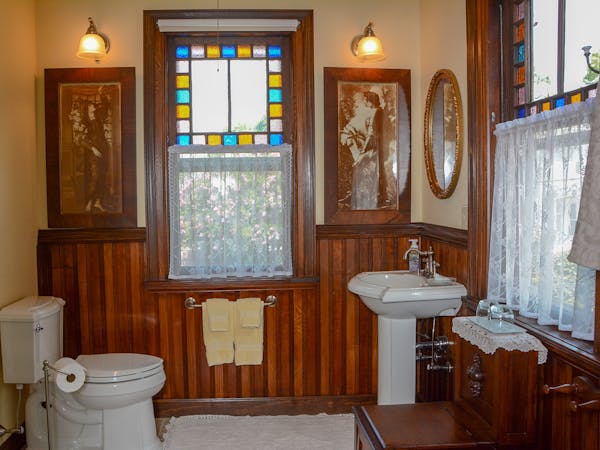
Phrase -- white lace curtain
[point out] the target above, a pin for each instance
(538, 175)
(230, 211)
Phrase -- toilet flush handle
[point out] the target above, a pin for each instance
(38, 328)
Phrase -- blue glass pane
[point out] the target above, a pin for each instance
(230, 139)
(276, 139)
(228, 51)
(274, 51)
(521, 53)
(520, 113)
(559, 102)
(275, 95)
(183, 96)
(183, 139)
(182, 52)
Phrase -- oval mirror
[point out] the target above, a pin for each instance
(443, 133)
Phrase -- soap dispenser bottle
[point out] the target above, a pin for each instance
(414, 256)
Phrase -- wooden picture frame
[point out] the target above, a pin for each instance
(367, 145)
(90, 147)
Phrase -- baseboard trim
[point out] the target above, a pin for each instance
(267, 406)
(14, 442)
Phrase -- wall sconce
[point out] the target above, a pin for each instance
(92, 44)
(367, 46)
(586, 53)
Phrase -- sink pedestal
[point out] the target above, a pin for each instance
(397, 366)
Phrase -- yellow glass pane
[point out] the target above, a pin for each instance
(275, 80)
(576, 98)
(275, 110)
(245, 139)
(214, 139)
(182, 111)
(182, 81)
(213, 51)
(546, 106)
(244, 51)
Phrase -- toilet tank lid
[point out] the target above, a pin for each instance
(30, 309)
(112, 365)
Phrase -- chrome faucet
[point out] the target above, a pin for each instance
(430, 269)
(431, 265)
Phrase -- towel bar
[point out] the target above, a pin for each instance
(190, 302)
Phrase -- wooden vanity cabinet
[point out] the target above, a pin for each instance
(502, 389)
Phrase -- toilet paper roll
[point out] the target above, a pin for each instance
(69, 375)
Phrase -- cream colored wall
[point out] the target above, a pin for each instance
(18, 227)
(61, 22)
(443, 46)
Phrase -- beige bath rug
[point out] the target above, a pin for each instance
(322, 431)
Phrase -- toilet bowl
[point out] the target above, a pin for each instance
(113, 407)
(116, 380)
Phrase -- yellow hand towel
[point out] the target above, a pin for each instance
(217, 329)
(219, 314)
(248, 331)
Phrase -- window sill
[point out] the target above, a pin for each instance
(576, 352)
(562, 342)
(226, 285)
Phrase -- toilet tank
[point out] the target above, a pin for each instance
(31, 331)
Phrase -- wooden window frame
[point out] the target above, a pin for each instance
(509, 85)
(156, 107)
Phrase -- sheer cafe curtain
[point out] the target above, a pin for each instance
(538, 175)
(230, 211)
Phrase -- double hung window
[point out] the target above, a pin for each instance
(223, 87)
(230, 172)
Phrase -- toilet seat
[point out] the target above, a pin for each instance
(119, 367)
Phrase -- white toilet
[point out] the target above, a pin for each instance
(112, 410)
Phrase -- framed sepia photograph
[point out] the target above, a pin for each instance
(367, 145)
(90, 147)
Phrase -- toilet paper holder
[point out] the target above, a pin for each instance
(47, 366)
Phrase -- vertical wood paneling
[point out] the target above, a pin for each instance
(319, 340)
(298, 347)
(112, 327)
(324, 329)
(272, 346)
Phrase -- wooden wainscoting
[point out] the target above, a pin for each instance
(320, 340)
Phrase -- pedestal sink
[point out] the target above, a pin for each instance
(399, 298)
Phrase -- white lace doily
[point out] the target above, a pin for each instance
(489, 342)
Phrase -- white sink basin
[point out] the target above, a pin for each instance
(399, 293)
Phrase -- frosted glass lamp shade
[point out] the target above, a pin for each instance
(92, 44)
(370, 49)
(367, 46)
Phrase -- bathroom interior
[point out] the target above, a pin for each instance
(324, 348)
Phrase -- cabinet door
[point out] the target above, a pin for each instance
(502, 389)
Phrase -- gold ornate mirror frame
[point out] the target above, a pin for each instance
(453, 124)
